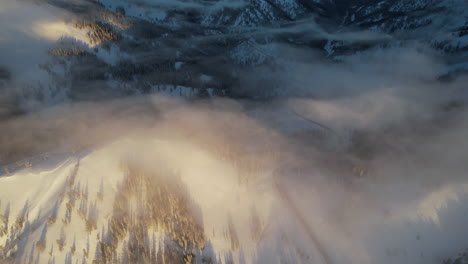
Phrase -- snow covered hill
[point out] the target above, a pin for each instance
(102, 208)
(159, 201)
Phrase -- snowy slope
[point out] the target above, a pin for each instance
(96, 209)
(180, 204)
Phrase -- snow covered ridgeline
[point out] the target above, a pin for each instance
(100, 210)
(216, 13)
(125, 238)
(178, 203)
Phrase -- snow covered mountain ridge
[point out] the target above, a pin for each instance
(179, 47)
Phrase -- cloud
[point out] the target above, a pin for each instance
(219, 141)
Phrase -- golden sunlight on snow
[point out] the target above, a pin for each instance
(54, 30)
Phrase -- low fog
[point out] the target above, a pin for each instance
(358, 161)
